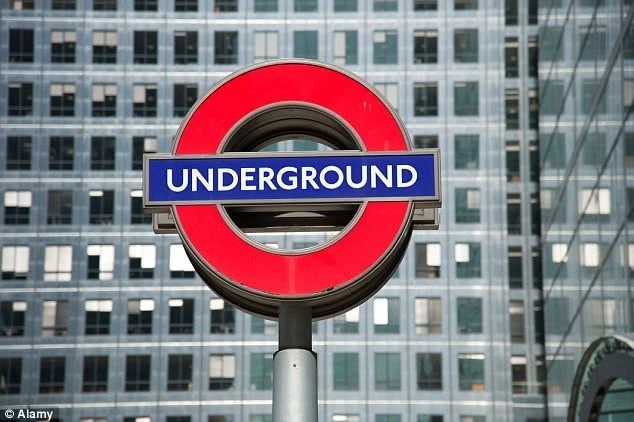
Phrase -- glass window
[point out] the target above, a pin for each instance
(385, 47)
(345, 418)
(17, 207)
(180, 265)
(467, 257)
(222, 371)
(387, 371)
(265, 5)
(345, 48)
(21, 45)
(385, 5)
(555, 151)
(469, 315)
(145, 5)
(519, 374)
(472, 418)
(511, 57)
(516, 311)
(19, 152)
(222, 316)
(533, 109)
(97, 317)
(104, 47)
(140, 316)
(15, 262)
(304, 5)
(465, 4)
(513, 161)
(426, 99)
(428, 260)
(386, 315)
(532, 12)
(428, 315)
(102, 153)
(142, 145)
(52, 374)
(549, 43)
(589, 89)
(593, 43)
(12, 314)
(185, 96)
(347, 323)
(429, 371)
(55, 318)
(533, 56)
(345, 5)
(510, 12)
(185, 5)
(265, 46)
(21, 4)
(593, 151)
(101, 206)
(58, 263)
(95, 377)
(60, 207)
(552, 97)
(628, 146)
(429, 418)
(100, 262)
(305, 44)
(104, 4)
(515, 267)
(595, 202)
(471, 372)
(263, 326)
(261, 375)
(10, 375)
(465, 42)
(226, 47)
(137, 215)
(63, 4)
(179, 373)
(628, 44)
(20, 99)
(63, 46)
(512, 109)
(425, 46)
(467, 152)
(145, 49)
(225, 5)
(181, 316)
(144, 100)
(138, 369)
(389, 91)
(104, 100)
(61, 153)
(467, 205)
(142, 260)
(466, 99)
(346, 371)
(425, 141)
(514, 213)
(387, 418)
(260, 418)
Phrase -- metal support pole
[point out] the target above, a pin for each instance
(295, 368)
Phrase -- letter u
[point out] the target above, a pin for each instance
(170, 182)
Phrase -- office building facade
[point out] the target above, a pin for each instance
(108, 321)
(586, 81)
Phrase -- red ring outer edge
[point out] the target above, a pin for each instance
(299, 275)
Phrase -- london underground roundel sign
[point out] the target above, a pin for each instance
(214, 173)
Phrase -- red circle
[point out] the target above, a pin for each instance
(348, 257)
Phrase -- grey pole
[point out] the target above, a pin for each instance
(295, 368)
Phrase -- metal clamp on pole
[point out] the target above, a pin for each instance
(295, 368)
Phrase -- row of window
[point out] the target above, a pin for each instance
(103, 100)
(222, 372)
(62, 152)
(266, 46)
(140, 317)
(265, 5)
(142, 261)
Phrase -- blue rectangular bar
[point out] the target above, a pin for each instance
(336, 177)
